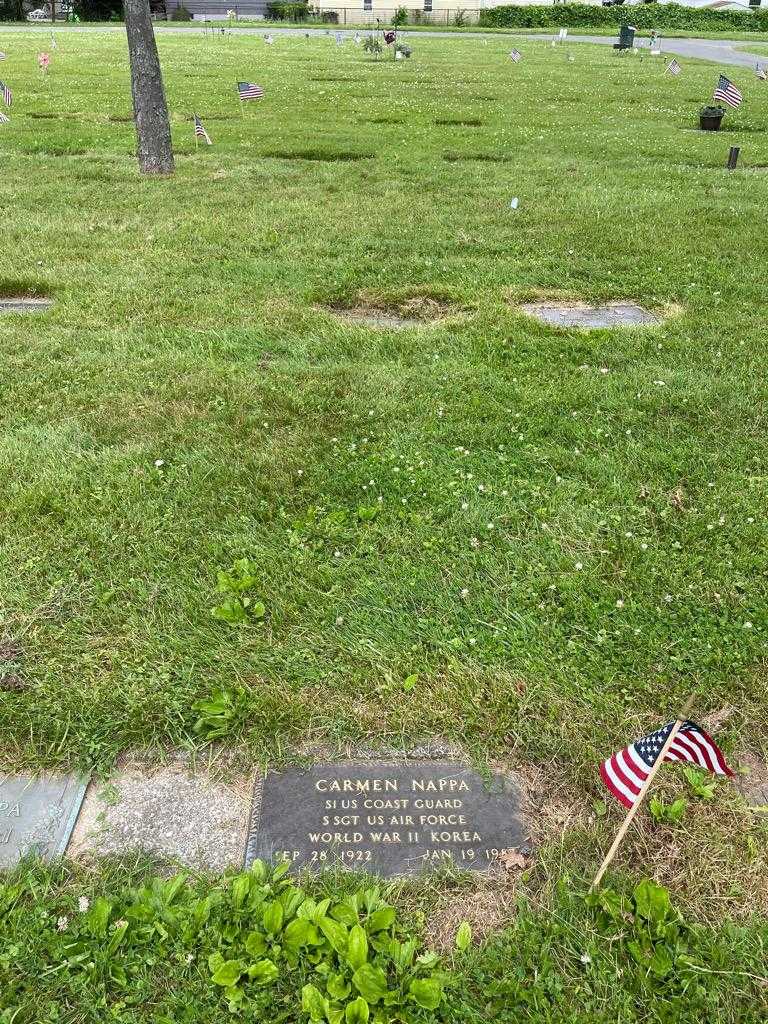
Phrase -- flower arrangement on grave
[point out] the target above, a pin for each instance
(372, 45)
(404, 49)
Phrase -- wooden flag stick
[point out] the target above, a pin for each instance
(643, 790)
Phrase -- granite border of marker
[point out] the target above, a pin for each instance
(584, 316)
(23, 304)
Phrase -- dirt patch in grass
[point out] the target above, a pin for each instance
(317, 155)
(419, 310)
(486, 908)
(56, 151)
(43, 117)
(213, 117)
(334, 78)
(16, 288)
(753, 784)
(384, 120)
(491, 158)
(121, 119)
(11, 681)
(465, 122)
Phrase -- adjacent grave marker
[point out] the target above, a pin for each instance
(615, 314)
(385, 819)
(37, 814)
(24, 305)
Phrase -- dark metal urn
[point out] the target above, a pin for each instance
(710, 118)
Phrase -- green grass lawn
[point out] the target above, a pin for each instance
(563, 534)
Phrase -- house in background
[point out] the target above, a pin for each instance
(436, 12)
(346, 12)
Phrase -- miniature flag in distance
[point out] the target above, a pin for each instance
(200, 132)
(674, 67)
(760, 72)
(3, 55)
(625, 772)
(515, 55)
(4, 119)
(249, 91)
(727, 92)
(268, 39)
(7, 94)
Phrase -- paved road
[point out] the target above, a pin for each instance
(719, 51)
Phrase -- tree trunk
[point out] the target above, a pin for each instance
(153, 130)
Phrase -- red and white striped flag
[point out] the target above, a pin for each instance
(625, 772)
(200, 132)
(6, 94)
(515, 55)
(674, 67)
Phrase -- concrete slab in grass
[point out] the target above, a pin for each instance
(170, 812)
(21, 305)
(590, 318)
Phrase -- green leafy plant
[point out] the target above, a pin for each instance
(702, 785)
(360, 963)
(222, 714)
(670, 814)
(372, 45)
(400, 17)
(238, 607)
(463, 936)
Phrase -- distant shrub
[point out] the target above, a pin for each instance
(11, 10)
(330, 17)
(181, 13)
(98, 10)
(401, 17)
(663, 17)
(460, 18)
(281, 10)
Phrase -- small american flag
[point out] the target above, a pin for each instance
(3, 55)
(4, 119)
(200, 132)
(727, 92)
(625, 772)
(674, 67)
(760, 72)
(7, 94)
(249, 91)
(515, 55)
